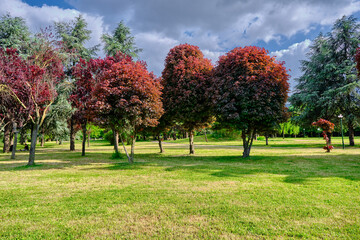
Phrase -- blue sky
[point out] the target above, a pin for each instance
(284, 27)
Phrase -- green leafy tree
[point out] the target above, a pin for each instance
(14, 33)
(329, 84)
(74, 35)
(120, 40)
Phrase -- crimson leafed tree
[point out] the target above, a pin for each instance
(130, 96)
(327, 128)
(186, 95)
(251, 91)
(82, 98)
(14, 93)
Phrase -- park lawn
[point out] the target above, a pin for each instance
(289, 189)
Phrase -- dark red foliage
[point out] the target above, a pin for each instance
(186, 81)
(128, 94)
(252, 87)
(17, 79)
(327, 128)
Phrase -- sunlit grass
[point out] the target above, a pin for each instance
(289, 189)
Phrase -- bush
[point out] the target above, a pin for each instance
(109, 136)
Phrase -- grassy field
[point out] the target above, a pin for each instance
(290, 189)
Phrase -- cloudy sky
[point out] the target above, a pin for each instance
(284, 27)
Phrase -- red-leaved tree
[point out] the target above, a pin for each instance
(129, 96)
(251, 90)
(14, 94)
(327, 128)
(82, 98)
(186, 95)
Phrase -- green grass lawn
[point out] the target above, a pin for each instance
(290, 189)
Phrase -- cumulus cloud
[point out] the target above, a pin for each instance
(38, 18)
(216, 26)
(292, 56)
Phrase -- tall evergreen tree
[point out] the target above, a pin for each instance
(329, 84)
(14, 33)
(74, 35)
(120, 40)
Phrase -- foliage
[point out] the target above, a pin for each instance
(327, 128)
(14, 33)
(251, 92)
(129, 96)
(74, 34)
(186, 83)
(121, 40)
(329, 84)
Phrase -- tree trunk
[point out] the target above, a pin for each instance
(126, 152)
(351, 134)
(72, 134)
(329, 136)
(6, 147)
(116, 140)
(133, 148)
(165, 136)
(160, 144)
(88, 139)
(174, 136)
(206, 139)
(15, 141)
(57, 141)
(42, 141)
(34, 132)
(60, 142)
(186, 134)
(22, 136)
(191, 142)
(247, 142)
(84, 138)
(267, 139)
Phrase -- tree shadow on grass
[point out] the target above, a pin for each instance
(294, 169)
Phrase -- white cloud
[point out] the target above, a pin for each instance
(292, 56)
(41, 17)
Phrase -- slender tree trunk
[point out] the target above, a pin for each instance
(60, 142)
(267, 139)
(206, 139)
(191, 142)
(57, 141)
(42, 140)
(174, 136)
(351, 134)
(329, 136)
(88, 139)
(126, 152)
(160, 144)
(133, 148)
(84, 138)
(116, 140)
(15, 141)
(72, 134)
(34, 133)
(186, 134)
(22, 136)
(6, 147)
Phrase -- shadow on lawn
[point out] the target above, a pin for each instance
(294, 169)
